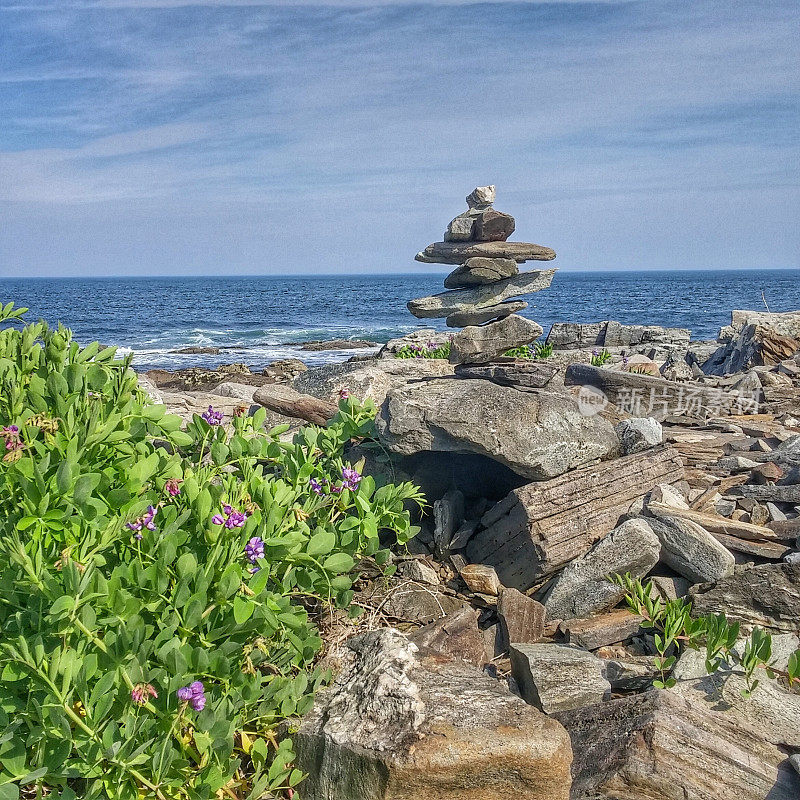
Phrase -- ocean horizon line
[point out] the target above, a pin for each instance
(384, 275)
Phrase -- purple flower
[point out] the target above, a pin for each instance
(148, 518)
(212, 417)
(194, 694)
(316, 486)
(350, 478)
(236, 519)
(231, 519)
(145, 521)
(254, 549)
(184, 694)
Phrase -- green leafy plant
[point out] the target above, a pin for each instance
(600, 357)
(158, 585)
(536, 350)
(430, 350)
(675, 629)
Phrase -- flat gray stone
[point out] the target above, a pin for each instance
(463, 319)
(459, 252)
(584, 588)
(691, 550)
(557, 677)
(447, 303)
(478, 271)
(537, 434)
(480, 344)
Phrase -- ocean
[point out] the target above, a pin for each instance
(260, 319)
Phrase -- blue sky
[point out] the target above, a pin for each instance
(174, 137)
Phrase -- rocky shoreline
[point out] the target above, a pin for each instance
(498, 660)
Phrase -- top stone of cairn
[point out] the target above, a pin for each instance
(481, 197)
(482, 231)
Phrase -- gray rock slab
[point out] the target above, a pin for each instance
(479, 344)
(537, 434)
(459, 252)
(399, 725)
(691, 550)
(447, 303)
(462, 319)
(477, 271)
(766, 594)
(584, 586)
(556, 677)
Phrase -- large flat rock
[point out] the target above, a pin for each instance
(659, 746)
(767, 595)
(537, 434)
(397, 725)
(459, 252)
(446, 303)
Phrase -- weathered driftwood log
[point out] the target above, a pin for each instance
(713, 523)
(647, 396)
(540, 527)
(285, 400)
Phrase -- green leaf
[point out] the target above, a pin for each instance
(9, 791)
(242, 609)
(84, 487)
(321, 543)
(62, 604)
(186, 565)
(64, 476)
(338, 562)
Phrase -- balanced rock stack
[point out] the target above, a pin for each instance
(483, 285)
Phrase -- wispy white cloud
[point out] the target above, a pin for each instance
(352, 128)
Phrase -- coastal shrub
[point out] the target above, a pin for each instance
(429, 350)
(537, 350)
(600, 357)
(158, 585)
(675, 629)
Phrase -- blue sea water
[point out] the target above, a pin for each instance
(261, 319)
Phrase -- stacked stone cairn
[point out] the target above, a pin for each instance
(483, 286)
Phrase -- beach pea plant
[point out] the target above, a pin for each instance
(600, 357)
(158, 585)
(429, 350)
(674, 629)
(537, 350)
